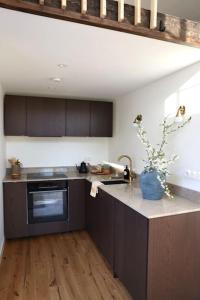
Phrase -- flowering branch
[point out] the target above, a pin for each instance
(156, 158)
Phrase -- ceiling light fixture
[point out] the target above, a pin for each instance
(56, 79)
(62, 65)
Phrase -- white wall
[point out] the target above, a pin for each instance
(48, 152)
(189, 9)
(2, 168)
(154, 102)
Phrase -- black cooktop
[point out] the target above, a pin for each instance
(46, 175)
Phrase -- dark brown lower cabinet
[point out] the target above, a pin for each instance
(130, 244)
(100, 222)
(157, 259)
(76, 204)
(174, 258)
(15, 210)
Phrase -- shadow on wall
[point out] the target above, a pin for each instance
(188, 94)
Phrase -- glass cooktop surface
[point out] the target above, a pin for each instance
(46, 175)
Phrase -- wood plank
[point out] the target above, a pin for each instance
(154, 12)
(178, 31)
(83, 6)
(138, 12)
(57, 267)
(120, 10)
(63, 4)
(103, 8)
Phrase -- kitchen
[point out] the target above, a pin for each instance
(73, 224)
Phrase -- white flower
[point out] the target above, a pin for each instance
(156, 157)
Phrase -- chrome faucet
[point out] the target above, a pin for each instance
(132, 173)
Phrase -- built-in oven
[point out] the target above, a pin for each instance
(47, 201)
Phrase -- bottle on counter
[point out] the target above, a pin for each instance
(126, 173)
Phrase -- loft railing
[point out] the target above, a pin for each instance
(103, 10)
(115, 15)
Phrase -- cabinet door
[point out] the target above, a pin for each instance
(77, 118)
(101, 119)
(15, 210)
(15, 115)
(45, 117)
(174, 260)
(76, 204)
(100, 223)
(92, 214)
(106, 225)
(130, 244)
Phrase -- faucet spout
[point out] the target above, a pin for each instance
(132, 173)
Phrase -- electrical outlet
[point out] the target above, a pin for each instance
(192, 174)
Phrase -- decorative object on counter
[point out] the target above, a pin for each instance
(153, 178)
(82, 168)
(15, 168)
(126, 173)
(100, 170)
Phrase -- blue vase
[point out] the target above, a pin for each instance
(151, 186)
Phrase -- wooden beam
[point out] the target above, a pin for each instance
(178, 31)
(83, 6)
(138, 12)
(63, 4)
(103, 10)
(154, 13)
(120, 10)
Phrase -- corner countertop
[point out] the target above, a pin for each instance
(130, 195)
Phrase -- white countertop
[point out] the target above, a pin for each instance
(132, 197)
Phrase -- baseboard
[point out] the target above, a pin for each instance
(2, 249)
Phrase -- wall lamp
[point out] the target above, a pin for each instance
(137, 120)
(178, 118)
(180, 113)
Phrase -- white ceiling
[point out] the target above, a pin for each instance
(100, 63)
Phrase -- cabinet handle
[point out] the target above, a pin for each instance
(68, 206)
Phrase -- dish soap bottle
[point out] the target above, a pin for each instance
(126, 173)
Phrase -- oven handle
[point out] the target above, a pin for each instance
(49, 191)
(47, 187)
(46, 202)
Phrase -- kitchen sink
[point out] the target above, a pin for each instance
(111, 182)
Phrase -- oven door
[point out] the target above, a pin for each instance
(47, 206)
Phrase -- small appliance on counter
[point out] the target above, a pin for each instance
(82, 168)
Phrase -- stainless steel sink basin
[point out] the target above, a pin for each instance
(111, 182)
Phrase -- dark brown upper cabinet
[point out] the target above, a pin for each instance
(77, 118)
(45, 117)
(15, 115)
(101, 119)
(50, 117)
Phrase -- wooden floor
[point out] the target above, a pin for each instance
(57, 267)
